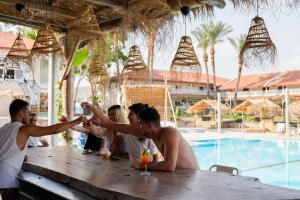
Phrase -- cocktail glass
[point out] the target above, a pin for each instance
(145, 160)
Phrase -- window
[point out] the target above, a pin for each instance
(245, 89)
(280, 88)
(177, 103)
(265, 88)
(10, 74)
(201, 88)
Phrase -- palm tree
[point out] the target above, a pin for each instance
(238, 43)
(150, 45)
(203, 43)
(215, 32)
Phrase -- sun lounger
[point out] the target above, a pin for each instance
(226, 169)
(279, 128)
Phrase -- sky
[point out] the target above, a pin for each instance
(283, 27)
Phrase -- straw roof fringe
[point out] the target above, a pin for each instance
(257, 105)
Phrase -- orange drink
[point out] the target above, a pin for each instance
(145, 160)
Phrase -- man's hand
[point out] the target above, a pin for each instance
(44, 143)
(136, 164)
(80, 119)
(88, 106)
(63, 119)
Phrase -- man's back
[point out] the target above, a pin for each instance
(11, 157)
(186, 158)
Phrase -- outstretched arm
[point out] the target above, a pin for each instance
(37, 131)
(123, 128)
(97, 112)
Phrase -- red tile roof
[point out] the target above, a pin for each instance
(7, 40)
(159, 75)
(258, 81)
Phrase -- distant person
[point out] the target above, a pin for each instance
(176, 151)
(13, 139)
(134, 144)
(34, 141)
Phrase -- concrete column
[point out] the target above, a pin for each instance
(51, 92)
(287, 112)
(219, 112)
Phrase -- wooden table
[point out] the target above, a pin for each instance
(102, 179)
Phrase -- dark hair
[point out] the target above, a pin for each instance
(137, 108)
(114, 107)
(150, 114)
(16, 106)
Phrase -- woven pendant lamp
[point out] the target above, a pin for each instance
(45, 42)
(259, 48)
(134, 60)
(185, 59)
(85, 25)
(18, 52)
(97, 73)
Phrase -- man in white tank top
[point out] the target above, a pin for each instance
(13, 139)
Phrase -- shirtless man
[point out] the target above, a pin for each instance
(176, 151)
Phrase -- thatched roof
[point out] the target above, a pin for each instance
(256, 105)
(204, 104)
(294, 108)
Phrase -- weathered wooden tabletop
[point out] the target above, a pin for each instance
(116, 180)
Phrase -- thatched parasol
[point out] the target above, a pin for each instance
(294, 108)
(17, 53)
(263, 107)
(45, 42)
(204, 104)
(134, 60)
(259, 48)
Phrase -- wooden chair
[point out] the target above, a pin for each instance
(226, 169)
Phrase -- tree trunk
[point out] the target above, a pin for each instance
(213, 65)
(205, 59)
(67, 95)
(241, 61)
(77, 88)
(151, 41)
(116, 41)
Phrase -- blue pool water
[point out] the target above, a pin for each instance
(273, 162)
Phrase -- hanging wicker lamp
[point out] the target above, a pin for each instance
(259, 48)
(134, 60)
(18, 52)
(85, 26)
(45, 42)
(97, 73)
(185, 59)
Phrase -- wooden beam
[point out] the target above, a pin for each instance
(111, 3)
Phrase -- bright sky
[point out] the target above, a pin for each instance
(283, 28)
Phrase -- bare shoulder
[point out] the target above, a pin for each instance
(170, 132)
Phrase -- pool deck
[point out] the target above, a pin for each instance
(206, 134)
(101, 179)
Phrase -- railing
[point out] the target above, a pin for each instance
(189, 91)
(261, 93)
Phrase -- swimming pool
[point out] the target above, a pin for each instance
(273, 162)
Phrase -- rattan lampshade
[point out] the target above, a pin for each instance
(259, 48)
(134, 60)
(45, 42)
(17, 53)
(97, 73)
(85, 25)
(185, 59)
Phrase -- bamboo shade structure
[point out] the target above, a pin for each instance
(204, 104)
(263, 107)
(45, 42)
(134, 60)
(185, 59)
(259, 48)
(17, 53)
(153, 95)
